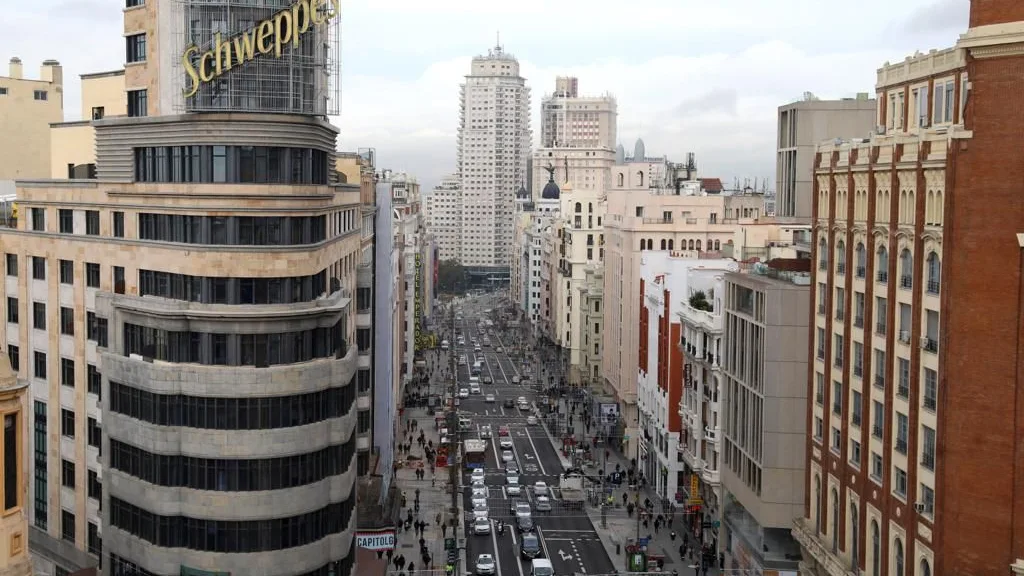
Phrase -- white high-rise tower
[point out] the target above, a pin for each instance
(494, 148)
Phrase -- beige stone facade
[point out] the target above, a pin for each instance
(73, 144)
(27, 107)
(14, 554)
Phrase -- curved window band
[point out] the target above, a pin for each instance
(124, 567)
(231, 536)
(219, 290)
(200, 412)
(233, 230)
(232, 475)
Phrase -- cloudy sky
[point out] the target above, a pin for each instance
(689, 75)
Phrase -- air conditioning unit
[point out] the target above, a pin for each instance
(924, 341)
(904, 336)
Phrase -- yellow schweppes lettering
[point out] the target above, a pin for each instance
(266, 37)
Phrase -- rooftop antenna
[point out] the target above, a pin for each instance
(498, 45)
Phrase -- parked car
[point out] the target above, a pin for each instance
(485, 565)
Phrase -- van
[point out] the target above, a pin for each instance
(541, 567)
(444, 345)
(474, 381)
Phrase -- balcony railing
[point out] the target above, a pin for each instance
(858, 321)
(933, 287)
(876, 431)
(840, 314)
(821, 354)
(928, 461)
(906, 281)
(930, 345)
(903, 391)
(880, 327)
(882, 277)
(929, 403)
(858, 370)
(901, 445)
(879, 381)
(822, 264)
(861, 271)
(841, 268)
(821, 309)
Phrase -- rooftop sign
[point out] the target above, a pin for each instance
(270, 35)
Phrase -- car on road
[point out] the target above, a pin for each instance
(509, 403)
(499, 349)
(515, 379)
(507, 456)
(505, 443)
(485, 431)
(477, 474)
(478, 483)
(530, 546)
(485, 565)
(444, 345)
(520, 508)
(474, 389)
(540, 488)
(480, 510)
(511, 467)
(525, 523)
(479, 492)
(531, 420)
(543, 504)
(489, 398)
(476, 500)
(463, 393)
(481, 526)
(476, 348)
(503, 430)
(488, 380)
(512, 486)
(462, 361)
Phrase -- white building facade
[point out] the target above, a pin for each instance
(493, 150)
(571, 121)
(443, 217)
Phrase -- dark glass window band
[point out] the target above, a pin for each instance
(265, 413)
(123, 567)
(215, 349)
(213, 290)
(233, 230)
(232, 475)
(231, 536)
(231, 164)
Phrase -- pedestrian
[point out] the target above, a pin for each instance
(411, 569)
(672, 535)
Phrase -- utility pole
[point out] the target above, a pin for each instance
(455, 434)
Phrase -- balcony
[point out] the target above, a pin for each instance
(861, 271)
(841, 268)
(812, 542)
(711, 476)
(930, 344)
(711, 435)
(882, 277)
(906, 281)
(933, 287)
(702, 318)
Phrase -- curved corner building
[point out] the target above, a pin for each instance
(186, 319)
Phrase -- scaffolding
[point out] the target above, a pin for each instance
(305, 79)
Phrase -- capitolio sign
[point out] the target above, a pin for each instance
(270, 35)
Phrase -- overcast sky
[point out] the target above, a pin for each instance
(689, 75)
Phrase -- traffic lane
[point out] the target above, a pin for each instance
(574, 552)
(546, 453)
(594, 556)
(509, 558)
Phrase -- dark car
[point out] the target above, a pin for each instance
(524, 523)
(530, 546)
(509, 403)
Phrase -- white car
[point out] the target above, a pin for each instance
(489, 398)
(462, 360)
(481, 526)
(485, 565)
(480, 510)
(522, 400)
(477, 500)
(477, 474)
(520, 508)
(515, 379)
(463, 393)
(474, 389)
(531, 420)
(480, 492)
(513, 488)
(505, 443)
(485, 431)
(540, 488)
(477, 348)
(543, 504)
(507, 456)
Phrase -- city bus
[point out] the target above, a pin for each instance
(474, 453)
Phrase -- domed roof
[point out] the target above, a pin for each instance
(551, 191)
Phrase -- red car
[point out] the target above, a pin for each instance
(503, 431)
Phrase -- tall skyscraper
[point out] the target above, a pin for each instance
(494, 148)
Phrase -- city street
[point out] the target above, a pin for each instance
(567, 536)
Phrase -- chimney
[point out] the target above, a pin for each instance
(15, 72)
(52, 72)
(988, 12)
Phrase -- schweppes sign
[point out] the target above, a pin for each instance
(270, 35)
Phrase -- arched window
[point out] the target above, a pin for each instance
(817, 504)
(691, 244)
(643, 244)
(640, 177)
(663, 244)
(650, 244)
(854, 537)
(906, 269)
(876, 549)
(822, 255)
(840, 257)
(835, 521)
(621, 180)
(861, 257)
(897, 557)
(883, 265)
(671, 244)
(590, 207)
(579, 207)
(924, 569)
(934, 272)
(718, 245)
(698, 245)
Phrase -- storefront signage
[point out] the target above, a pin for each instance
(271, 35)
(376, 539)
(420, 342)
(695, 490)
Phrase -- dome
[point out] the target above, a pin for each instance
(551, 191)
(639, 151)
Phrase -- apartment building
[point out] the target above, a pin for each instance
(592, 308)
(668, 280)
(801, 127)
(916, 347)
(72, 143)
(14, 553)
(189, 310)
(531, 270)
(27, 107)
(494, 142)
(766, 315)
(702, 325)
(443, 217)
(569, 120)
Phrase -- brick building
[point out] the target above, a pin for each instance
(916, 444)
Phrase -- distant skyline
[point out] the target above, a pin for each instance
(688, 76)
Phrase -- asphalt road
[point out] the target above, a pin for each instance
(567, 536)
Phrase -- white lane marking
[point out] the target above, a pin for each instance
(539, 462)
(564, 555)
(543, 542)
(494, 540)
(502, 410)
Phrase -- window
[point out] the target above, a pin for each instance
(931, 389)
(906, 269)
(878, 413)
(819, 394)
(882, 265)
(876, 549)
(66, 221)
(855, 453)
(38, 268)
(856, 409)
(38, 219)
(41, 509)
(928, 503)
(67, 474)
(95, 541)
(837, 440)
(860, 258)
(94, 380)
(858, 359)
(97, 112)
(95, 487)
(119, 279)
(837, 397)
(66, 268)
(93, 434)
(902, 431)
(67, 372)
(135, 48)
(876, 466)
(903, 389)
(934, 273)
(39, 316)
(134, 3)
(138, 103)
(12, 265)
(92, 222)
(928, 447)
(898, 560)
(118, 224)
(39, 95)
(67, 423)
(67, 321)
(3, 91)
(900, 482)
(92, 275)
(14, 354)
(881, 314)
(67, 525)
(12, 310)
(12, 461)
(819, 426)
(840, 350)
